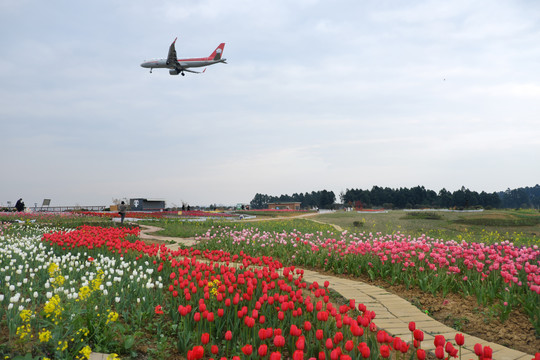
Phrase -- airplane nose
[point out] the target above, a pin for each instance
(144, 64)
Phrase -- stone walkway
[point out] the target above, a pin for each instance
(393, 313)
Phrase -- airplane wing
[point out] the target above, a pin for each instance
(195, 72)
(171, 57)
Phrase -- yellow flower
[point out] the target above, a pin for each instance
(84, 293)
(53, 308)
(23, 331)
(113, 356)
(58, 281)
(112, 316)
(96, 283)
(85, 352)
(25, 315)
(64, 345)
(52, 269)
(44, 335)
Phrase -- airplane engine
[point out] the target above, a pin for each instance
(174, 72)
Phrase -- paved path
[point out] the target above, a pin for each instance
(393, 313)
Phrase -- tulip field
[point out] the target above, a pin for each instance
(501, 274)
(240, 294)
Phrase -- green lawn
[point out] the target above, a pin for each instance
(518, 226)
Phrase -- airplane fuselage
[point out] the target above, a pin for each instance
(184, 63)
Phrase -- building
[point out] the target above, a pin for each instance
(141, 204)
(284, 206)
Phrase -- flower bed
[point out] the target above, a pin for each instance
(94, 289)
(501, 274)
(157, 214)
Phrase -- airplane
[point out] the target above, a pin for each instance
(179, 66)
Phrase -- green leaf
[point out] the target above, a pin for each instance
(129, 341)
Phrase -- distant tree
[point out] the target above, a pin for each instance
(445, 198)
(260, 201)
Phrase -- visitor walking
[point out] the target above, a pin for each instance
(19, 206)
(122, 208)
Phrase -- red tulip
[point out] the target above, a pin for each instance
(275, 355)
(349, 345)
(263, 350)
(488, 352)
(381, 336)
(301, 343)
(329, 344)
(298, 355)
(228, 335)
(205, 338)
(439, 340)
(412, 326)
(196, 353)
(247, 349)
(322, 355)
(385, 351)
(418, 335)
(439, 352)
(279, 341)
(214, 349)
(421, 354)
(460, 339)
(478, 349)
(364, 350)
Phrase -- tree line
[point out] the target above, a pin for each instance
(316, 199)
(418, 197)
(527, 197)
(405, 198)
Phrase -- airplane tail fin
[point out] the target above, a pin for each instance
(216, 55)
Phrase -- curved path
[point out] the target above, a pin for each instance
(393, 312)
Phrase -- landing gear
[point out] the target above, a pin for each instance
(150, 70)
(183, 73)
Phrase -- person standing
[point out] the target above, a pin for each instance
(122, 208)
(19, 206)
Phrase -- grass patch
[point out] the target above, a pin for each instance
(273, 213)
(426, 215)
(451, 226)
(505, 222)
(185, 229)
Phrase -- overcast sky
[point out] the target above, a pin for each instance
(316, 95)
